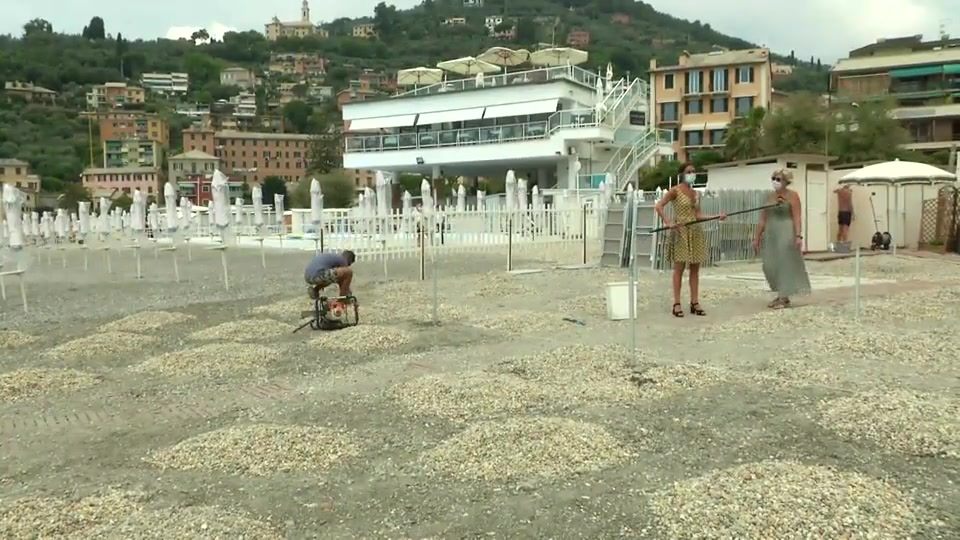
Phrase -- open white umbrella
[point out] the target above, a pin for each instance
(468, 66)
(898, 172)
(419, 76)
(504, 56)
(558, 56)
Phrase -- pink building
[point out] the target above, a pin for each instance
(103, 182)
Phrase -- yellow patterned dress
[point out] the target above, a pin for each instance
(688, 244)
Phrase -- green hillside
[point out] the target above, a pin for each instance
(55, 141)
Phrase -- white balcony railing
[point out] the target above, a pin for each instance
(540, 75)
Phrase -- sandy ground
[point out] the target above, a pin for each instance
(151, 409)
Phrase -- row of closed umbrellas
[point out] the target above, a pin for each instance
(493, 60)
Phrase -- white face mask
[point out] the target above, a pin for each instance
(777, 185)
(690, 178)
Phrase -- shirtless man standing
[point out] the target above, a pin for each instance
(844, 211)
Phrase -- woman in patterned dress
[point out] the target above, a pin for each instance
(688, 245)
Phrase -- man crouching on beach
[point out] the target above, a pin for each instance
(328, 268)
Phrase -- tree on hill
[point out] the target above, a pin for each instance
(37, 27)
(200, 35)
(94, 30)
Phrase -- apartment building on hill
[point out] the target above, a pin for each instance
(120, 125)
(132, 153)
(252, 156)
(698, 97)
(921, 79)
(168, 84)
(114, 95)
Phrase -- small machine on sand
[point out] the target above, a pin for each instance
(880, 240)
(334, 313)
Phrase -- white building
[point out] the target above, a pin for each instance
(549, 125)
(166, 83)
(492, 22)
(244, 104)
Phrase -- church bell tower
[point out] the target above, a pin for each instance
(305, 11)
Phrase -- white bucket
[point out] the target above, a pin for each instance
(618, 300)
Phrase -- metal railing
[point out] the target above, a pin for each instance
(449, 137)
(539, 75)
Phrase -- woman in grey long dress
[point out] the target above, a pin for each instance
(780, 241)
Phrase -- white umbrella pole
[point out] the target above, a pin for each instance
(226, 274)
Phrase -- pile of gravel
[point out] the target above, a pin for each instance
(525, 447)
(658, 382)
(417, 310)
(498, 285)
(122, 516)
(577, 372)
(192, 522)
(102, 344)
(468, 395)
(32, 382)
(259, 450)
(783, 322)
(908, 347)
(518, 321)
(783, 500)
(364, 338)
(243, 330)
(937, 304)
(12, 339)
(288, 309)
(213, 360)
(145, 321)
(912, 423)
(48, 517)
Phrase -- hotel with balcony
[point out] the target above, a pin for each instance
(921, 79)
(114, 95)
(697, 98)
(132, 153)
(550, 125)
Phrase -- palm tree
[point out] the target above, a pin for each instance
(744, 136)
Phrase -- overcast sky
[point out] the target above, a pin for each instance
(823, 28)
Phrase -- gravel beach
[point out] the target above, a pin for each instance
(150, 409)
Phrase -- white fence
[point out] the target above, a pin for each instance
(539, 232)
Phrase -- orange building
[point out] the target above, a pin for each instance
(698, 97)
(120, 125)
(252, 156)
(103, 182)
